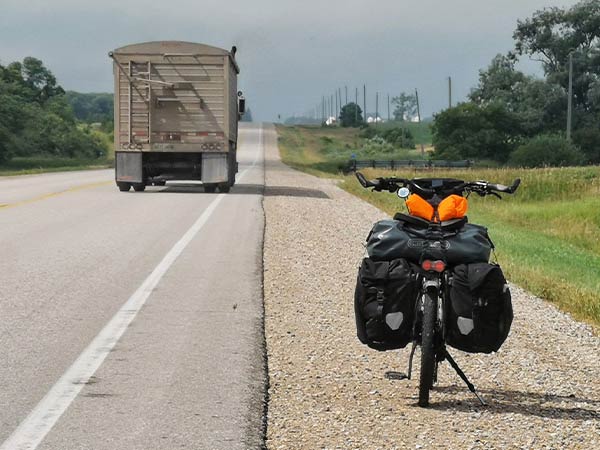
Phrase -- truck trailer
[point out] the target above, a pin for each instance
(177, 109)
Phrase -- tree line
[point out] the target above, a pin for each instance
(36, 118)
(511, 117)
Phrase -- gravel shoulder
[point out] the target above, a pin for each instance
(327, 391)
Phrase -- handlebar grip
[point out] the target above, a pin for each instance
(506, 189)
(362, 180)
(498, 187)
(515, 185)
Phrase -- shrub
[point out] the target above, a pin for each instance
(376, 145)
(401, 137)
(546, 150)
(588, 140)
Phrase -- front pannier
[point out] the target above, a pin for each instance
(480, 313)
(384, 303)
(391, 239)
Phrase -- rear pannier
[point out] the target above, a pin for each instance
(384, 303)
(480, 313)
(391, 239)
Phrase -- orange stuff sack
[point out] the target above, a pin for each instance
(453, 207)
(418, 206)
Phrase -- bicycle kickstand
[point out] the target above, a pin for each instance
(410, 359)
(462, 375)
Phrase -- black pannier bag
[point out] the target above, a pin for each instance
(480, 312)
(462, 244)
(384, 303)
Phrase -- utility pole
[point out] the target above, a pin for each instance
(365, 102)
(419, 119)
(570, 101)
(340, 94)
(355, 105)
(449, 92)
(336, 105)
(376, 108)
(388, 107)
(346, 88)
(331, 106)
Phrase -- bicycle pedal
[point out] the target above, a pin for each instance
(391, 375)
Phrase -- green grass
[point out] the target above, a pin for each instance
(547, 235)
(33, 165)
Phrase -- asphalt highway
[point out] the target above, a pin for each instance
(132, 320)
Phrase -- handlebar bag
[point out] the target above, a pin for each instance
(480, 312)
(392, 239)
(384, 303)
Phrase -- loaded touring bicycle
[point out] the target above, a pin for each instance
(427, 279)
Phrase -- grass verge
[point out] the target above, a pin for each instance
(28, 166)
(547, 235)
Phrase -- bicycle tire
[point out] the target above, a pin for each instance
(427, 349)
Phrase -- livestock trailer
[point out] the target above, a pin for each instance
(177, 109)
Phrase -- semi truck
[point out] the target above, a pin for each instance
(177, 109)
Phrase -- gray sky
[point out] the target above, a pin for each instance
(290, 53)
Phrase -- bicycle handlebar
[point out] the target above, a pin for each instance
(392, 184)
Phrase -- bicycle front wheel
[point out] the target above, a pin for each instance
(427, 348)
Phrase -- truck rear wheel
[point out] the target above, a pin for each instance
(139, 187)
(224, 187)
(124, 187)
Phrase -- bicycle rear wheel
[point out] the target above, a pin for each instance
(427, 348)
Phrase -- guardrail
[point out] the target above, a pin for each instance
(354, 164)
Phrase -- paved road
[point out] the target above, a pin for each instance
(132, 320)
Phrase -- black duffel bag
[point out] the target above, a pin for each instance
(480, 312)
(384, 303)
(462, 243)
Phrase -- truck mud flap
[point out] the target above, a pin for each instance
(128, 167)
(214, 168)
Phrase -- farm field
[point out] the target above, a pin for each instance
(547, 235)
(321, 151)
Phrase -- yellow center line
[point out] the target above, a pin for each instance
(55, 194)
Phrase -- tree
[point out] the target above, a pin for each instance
(498, 82)
(91, 107)
(470, 131)
(405, 106)
(351, 115)
(40, 79)
(552, 34)
(35, 117)
(538, 105)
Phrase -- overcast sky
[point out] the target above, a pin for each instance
(290, 52)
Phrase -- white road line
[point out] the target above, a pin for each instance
(44, 416)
